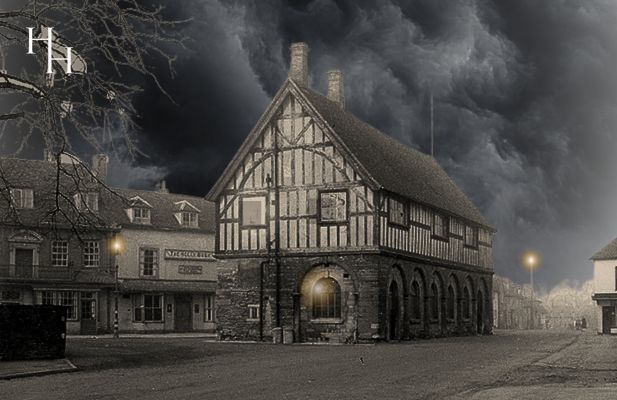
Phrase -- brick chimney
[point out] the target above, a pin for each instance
(335, 87)
(162, 187)
(298, 68)
(99, 166)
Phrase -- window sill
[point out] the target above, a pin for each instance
(327, 320)
(247, 320)
(469, 246)
(440, 238)
(397, 225)
(415, 321)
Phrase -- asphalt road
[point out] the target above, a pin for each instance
(195, 369)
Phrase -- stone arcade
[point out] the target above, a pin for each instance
(336, 232)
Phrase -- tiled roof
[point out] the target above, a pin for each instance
(608, 252)
(40, 175)
(164, 205)
(396, 167)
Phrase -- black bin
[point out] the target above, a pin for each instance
(30, 332)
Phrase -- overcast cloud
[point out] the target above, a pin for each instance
(525, 97)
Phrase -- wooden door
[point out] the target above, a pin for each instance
(608, 319)
(183, 316)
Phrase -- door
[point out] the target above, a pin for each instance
(608, 319)
(87, 313)
(393, 312)
(183, 317)
(480, 313)
(23, 263)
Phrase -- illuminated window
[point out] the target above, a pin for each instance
(398, 212)
(466, 304)
(471, 236)
(440, 226)
(253, 211)
(326, 296)
(333, 206)
(451, 301)
(148, 262)
(91, 253)
(22, 198)
(59, 253)
(434, 301)
(415, 301)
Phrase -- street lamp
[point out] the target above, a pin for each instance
(116, 249)
(531, 261)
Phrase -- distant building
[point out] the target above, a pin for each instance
(605, 287)
(514, 307)
(60, 252)
(333, 231)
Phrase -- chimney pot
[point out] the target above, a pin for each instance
(335, 87)
(298, 68)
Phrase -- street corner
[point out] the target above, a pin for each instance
(28, 368)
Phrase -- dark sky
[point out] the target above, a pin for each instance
(525, 104)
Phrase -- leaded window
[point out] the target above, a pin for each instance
(253, 211)
(326, 296)
(398, 212)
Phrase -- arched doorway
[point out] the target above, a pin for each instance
(394, 312)
(480, 313)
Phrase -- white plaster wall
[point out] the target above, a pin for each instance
(604, 276)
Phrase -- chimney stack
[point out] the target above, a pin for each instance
(99, 166)
(163, 187)
(298, 69)
(335, 87)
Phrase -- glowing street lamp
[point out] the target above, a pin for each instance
(117, 246)
(531, 261)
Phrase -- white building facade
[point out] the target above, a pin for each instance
(605, 287)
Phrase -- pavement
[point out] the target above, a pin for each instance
(508, 365)
(29, 368)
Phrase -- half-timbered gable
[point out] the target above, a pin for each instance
(324, 203)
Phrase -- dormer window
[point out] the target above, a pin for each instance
(87, 201)
(141, 215)
(22, 198)
(189, 219)
(187, 214)
(140, 211)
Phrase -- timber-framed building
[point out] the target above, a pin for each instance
(334, 231)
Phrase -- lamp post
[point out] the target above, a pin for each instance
(531, 260)
(116, 248)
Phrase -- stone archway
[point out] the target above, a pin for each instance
(480, 312)
(395, 305)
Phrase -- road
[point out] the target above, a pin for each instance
(465, 367)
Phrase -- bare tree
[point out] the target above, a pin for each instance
(113, 44)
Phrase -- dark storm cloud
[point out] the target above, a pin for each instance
(525, 97)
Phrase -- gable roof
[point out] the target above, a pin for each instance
(397, 167)
(383, 161)
(608, 252)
